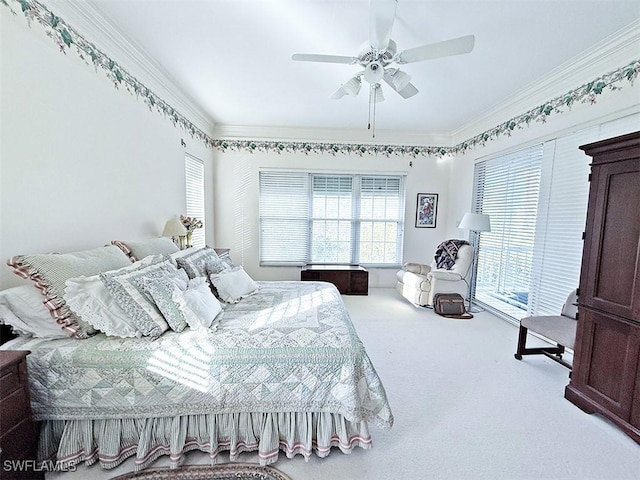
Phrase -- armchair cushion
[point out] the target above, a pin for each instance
(419, 282)
(446, 275)
(418, 268)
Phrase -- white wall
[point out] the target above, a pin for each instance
(81, 162)
(236, 203)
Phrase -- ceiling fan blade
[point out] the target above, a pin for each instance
(408, 91)
(455, 46)
(381, 16)
(339, 93)
(315, 57)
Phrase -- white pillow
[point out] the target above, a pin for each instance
(23, 309)
(233, 284)
(89, 298)
(198, 305)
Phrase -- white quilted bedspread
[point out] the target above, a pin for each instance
(291, 347)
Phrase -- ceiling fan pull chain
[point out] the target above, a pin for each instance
(375, 95)
(370, 93)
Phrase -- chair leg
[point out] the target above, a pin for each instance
(522, 340)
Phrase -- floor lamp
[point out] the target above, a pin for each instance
(474, 222)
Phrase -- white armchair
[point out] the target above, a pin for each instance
(418, 282)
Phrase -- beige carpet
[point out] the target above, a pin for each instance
(464, 408)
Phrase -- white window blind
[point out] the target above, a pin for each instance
(194, 180)
(562, 210)
(284, 218)
(330, 218)
(381, 232)
(507, 190)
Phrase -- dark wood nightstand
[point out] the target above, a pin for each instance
(18, 432)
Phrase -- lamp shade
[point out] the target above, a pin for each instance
(174, 228)
(477, 222)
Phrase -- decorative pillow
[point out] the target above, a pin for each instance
(194, 263)
(90, 299)
(213, 267)
(137, 250)
(161, 291)
(23, 309)
(233, 284)
(201, 309)
(50, 272)
(126, 287)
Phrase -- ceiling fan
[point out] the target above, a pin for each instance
(378, 56)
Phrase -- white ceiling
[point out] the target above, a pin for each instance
(233, 57)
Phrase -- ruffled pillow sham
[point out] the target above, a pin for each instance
(139, 249)
(50, 271)
(22, 308)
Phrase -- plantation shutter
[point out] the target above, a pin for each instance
(284, 218)
(194, 179)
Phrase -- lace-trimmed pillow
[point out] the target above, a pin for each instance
(194, 263)
(126, 288)
(50, 271)
(89, 298)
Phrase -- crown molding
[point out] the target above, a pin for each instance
(87, 18)
(360, 136)
(618, 49)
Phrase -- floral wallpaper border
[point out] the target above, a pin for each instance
(69, 39)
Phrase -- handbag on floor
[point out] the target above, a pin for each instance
(450, 305)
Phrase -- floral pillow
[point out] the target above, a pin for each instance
(194, 262)
(162, 290)
(127, 289)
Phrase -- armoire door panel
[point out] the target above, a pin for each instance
(615, 243)
(610, 361)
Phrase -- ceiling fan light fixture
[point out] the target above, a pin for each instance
(352, 86)
(376, 95)
(400, 80)
(374, 72)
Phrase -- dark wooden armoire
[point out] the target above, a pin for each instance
(606, 368)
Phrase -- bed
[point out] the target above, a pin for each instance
(280, 369)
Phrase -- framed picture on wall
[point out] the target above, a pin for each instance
(426, 210)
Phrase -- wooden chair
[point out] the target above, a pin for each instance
(560, 329)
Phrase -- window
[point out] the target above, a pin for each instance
(194, 180)
(330, 218)
(537, 201)
(507, 190)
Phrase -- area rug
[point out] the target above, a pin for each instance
(227, 471)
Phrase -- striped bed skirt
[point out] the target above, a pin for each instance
(111, 441)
